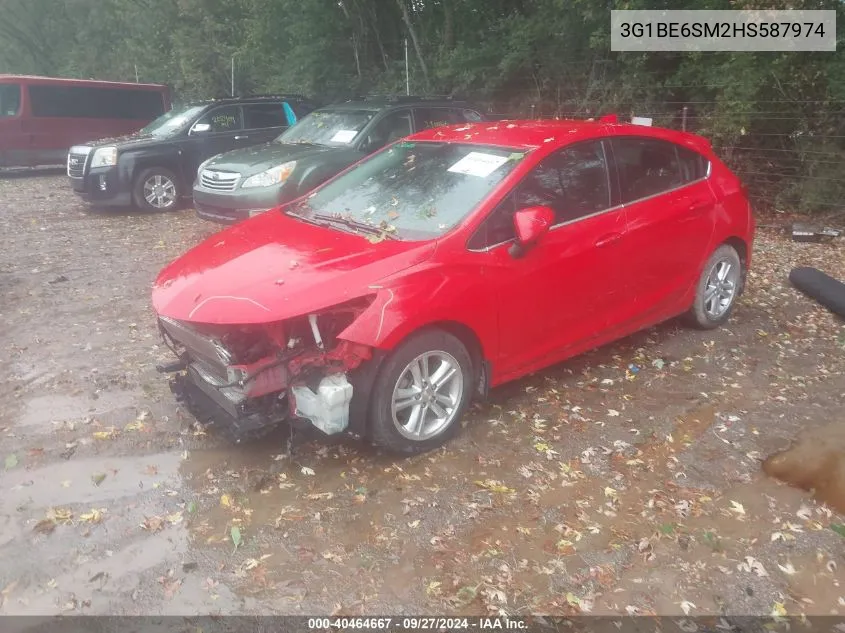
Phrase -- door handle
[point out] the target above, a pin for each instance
(241, 138)
(610, 238)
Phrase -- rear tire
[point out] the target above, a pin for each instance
(718, 288)
(157, 189)
(421, 392)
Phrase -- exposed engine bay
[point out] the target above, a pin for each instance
(252, 378)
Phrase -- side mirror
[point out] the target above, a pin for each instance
(530, 224)
(199, 128)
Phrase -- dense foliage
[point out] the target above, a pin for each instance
(776, 117)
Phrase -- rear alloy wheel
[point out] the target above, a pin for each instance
(718, 288)
(157, 189)
(421, 392)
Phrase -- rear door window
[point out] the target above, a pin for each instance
(392, 127)
(10, 100)
(646, 167)
(223, 119)
(260, 116)
(435, 117)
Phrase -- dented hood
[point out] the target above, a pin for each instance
(274, 267)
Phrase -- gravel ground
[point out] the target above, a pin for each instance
(628, 480)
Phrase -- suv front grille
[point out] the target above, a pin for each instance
(76, 160)
(219, 180)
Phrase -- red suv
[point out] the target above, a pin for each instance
(452, 261)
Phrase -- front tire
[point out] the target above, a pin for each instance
(157, 189)
(718, 288)
(421, 393)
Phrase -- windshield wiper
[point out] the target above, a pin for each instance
(354, 224)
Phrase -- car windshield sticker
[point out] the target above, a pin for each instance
(343, 136)
(478, 164)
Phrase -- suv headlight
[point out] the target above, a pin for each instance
(104, 157)
(273, 176)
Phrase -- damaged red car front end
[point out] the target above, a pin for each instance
(257, 314)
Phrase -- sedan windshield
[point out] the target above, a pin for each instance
(336, 128)
(411, 191)
(172, 121)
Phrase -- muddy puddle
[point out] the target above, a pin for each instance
(47, 413)
(815, 463)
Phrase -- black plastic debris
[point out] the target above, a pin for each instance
(817, 285)
(808, 233)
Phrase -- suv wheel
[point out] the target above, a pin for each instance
(156, 189)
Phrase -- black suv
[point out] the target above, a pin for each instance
(246, 182)
(154, 168)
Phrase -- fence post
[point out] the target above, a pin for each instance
(684, 119)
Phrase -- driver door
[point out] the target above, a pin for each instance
(563, 291)
(217, 131)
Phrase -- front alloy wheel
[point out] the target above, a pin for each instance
(156, 189)
(160, 191)
(421, 391)
(427, 395)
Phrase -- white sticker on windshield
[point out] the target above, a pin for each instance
(343, 136)
(478, 164)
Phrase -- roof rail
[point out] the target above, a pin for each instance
(406, 98)
(283, 95)
(261, 96)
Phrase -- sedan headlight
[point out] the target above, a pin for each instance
(104, 157)
(273, 176)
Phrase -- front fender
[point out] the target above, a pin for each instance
(427, 297)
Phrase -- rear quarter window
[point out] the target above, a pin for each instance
(694, 166)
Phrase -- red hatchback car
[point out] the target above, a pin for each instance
(452, 261)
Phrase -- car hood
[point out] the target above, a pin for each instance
(129, 141)
(253, 160)
(273, 267)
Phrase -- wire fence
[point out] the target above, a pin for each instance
(789, 153)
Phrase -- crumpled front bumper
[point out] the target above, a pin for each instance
(239, 424)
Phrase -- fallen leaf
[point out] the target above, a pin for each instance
(494, 486)
(153, 524)
(44, 526)
(737, 507)
(105, 435)
(95, 516)
(11, 461)
(235, 533)
(98, 478)
(838, 528)
(307, 471)
(175, 518)
(778, 610)
(226, 501)
(751, 564)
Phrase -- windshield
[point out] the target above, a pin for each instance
(336, 128)
(172, 121)
(412, 191)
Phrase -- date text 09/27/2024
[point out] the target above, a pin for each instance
(417, 623)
